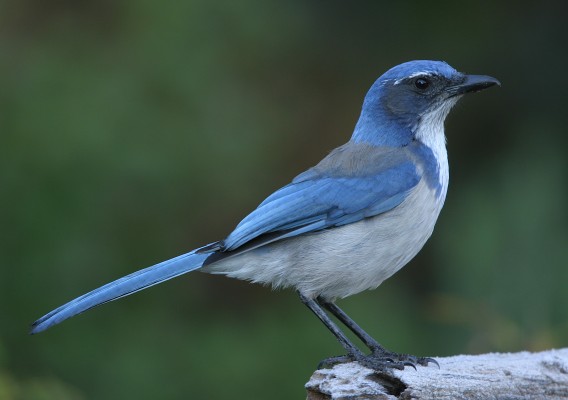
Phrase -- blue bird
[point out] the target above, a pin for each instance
(346, 224)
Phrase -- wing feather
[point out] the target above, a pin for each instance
(341, 189)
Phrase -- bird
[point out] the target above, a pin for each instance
(346, 224)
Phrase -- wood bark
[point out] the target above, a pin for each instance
(519, 376)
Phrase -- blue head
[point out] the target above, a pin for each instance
(409, 95)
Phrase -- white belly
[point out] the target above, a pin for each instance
(342, 261)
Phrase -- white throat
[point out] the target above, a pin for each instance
(430, 131)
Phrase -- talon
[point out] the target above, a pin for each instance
(410, 364)
(426, 360)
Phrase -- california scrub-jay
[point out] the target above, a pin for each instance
(346, 224)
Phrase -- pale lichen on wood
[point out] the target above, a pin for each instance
(519, 376)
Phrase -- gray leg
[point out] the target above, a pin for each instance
(371, 343)
(351, 349)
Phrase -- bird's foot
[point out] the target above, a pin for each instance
(331, 361)
(391, 359)
(380, 360)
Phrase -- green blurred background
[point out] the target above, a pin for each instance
(134, 131)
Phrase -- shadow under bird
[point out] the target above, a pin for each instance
(346, 224)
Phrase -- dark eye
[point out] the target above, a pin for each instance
(421, 83)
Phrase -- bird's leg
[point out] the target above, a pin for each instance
(378, 361)
(377, 351)
(371, 343)
(353, 353)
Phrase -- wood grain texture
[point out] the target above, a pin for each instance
(519, 376)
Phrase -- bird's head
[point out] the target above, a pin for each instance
(411, 94)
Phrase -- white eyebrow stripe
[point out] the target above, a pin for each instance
(414, 75)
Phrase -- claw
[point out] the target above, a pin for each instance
(410, 364)
(427, 360)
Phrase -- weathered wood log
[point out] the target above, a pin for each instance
(519, 376)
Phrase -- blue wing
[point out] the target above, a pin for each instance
(354, 182)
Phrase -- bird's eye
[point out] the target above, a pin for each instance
(421, 83)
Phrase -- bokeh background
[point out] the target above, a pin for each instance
(131, 132)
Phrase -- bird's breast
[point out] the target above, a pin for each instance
(362, 255)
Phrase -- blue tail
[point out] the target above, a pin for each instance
(129, 284)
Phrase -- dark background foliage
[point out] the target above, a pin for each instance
(131, 132)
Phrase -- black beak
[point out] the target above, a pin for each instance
(472, 83)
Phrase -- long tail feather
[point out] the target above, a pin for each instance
(124, 286)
